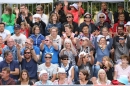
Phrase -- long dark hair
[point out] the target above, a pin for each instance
(9, 9)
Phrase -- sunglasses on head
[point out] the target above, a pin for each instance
(47, 57)
(68, 16)
(65, 59)
(101, 17)
(27, 52)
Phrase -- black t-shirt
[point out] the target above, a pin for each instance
(29, 83)
(89, 82)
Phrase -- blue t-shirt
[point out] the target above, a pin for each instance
(36, 49)
(14, 64)
(31, 67)
(54, 53)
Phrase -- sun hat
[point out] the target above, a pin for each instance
(99, 37)
(128, 23)
(123, 80)
(42, 72)
(61, 70)
(37, 16)
(74, 5)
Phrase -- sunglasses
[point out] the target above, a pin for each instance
(47, 57)
(87, 17)
(101, 17)
(46, 40)
(38, 10)
(121, 38)
(27, 52)
(68, 16)
(65, 59)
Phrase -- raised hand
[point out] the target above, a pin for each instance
(16, 10)
(65, 3)
(18, 46)
(79, 4)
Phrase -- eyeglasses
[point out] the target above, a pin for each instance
(27, 52)
(87, 17)
(121, 38)
(47, 57)
(38, 10)
(68, 16)
(46, 40)
(101, 17)
(65, 59)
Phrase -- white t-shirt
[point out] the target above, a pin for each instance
(19, 39)
(4, 34)
(44, 18)
(107, 83)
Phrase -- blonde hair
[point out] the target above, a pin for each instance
(99, 79)
(107, 58)
(68, 41)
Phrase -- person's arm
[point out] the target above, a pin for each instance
(74, 52)
(80, 60)
(42, 45)
(80, 10)
(65, 7)
(55, 45)
(92, 57)
(110, 43)
(78, 43)
(8, 36)
(34, 56)
(54, 72)
(53, 77)
(18, 53)
(15, 72)
(115, 73)
(72, 74)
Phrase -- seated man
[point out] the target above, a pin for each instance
(5, 77)
(49, 67)
(12, 64)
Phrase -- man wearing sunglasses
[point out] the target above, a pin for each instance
(69, 17)
(121, 46)
(48, 66)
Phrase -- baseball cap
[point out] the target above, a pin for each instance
(120, 5)
(42, 72)
(61, 70)
(17, 26)
(74, 5)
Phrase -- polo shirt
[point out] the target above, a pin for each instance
(14, 64)
(31, 67)
(54, 53)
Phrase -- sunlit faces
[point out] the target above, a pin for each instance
(2, 27)
(22, 9)
(87, 18)
(81, 76)
(48, 58)
(6, 12)
(47, 41)
(85, 30)
(121, 40)
(39, 11)
(59, 6)
(4, 74)
(24, 76)
(62, 75)
(102, 40)
(103, 6)
(10, 42)
(67, 29)
(102, 74)
(27, 54)
(124, 61)
(121, 17)
(120, 30)
(67, 45)
(44, 76)
(104, 31)
(64, 60)
(84, 42)
(37, 30)
(102, 17)
(54, 17)
(69, 17)
(86, 58)
(9, 57)
(53, 32)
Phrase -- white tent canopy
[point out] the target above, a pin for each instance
(25, 1)
(96, 0)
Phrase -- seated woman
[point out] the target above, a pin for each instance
(24, 78)
(36, 36)
(62, 80)
(67, 66)
(107, 65)
(43, 79)
(83, 78)
(102, 78)
(69, 50)
(122, 69)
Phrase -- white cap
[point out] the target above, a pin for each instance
(84, 38)
(87, 13)
(42, 72)
(75, 6)
(61, 70)
(1, 59)
(128, 23)
(99, 37)
(37, 16)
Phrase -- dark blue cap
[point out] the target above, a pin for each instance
(17, 26)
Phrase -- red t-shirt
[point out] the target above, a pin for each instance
(25, 32)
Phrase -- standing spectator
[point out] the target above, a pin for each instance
(44, 78)
(10, 47)
(53, 21)
(23, 15)
(28, 62)
(76, 10)
(49, 67)
(83, 78)
(9, 19)
(12, 64)
(47, 46)
(104, 10)
(102, 23)
(24, 78)
(120, 11)
(39, 22)
(18, 37)
(121, 21)
(40, 10)
(5, 77)
(69, 50)
(102, 78)
(87, 21)
(3, 32)
(70, 17)
(122, 69)
(56, 38)
(25, 29)
(36, 36)
(62, 80)
(2, 45)
(58, 10)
